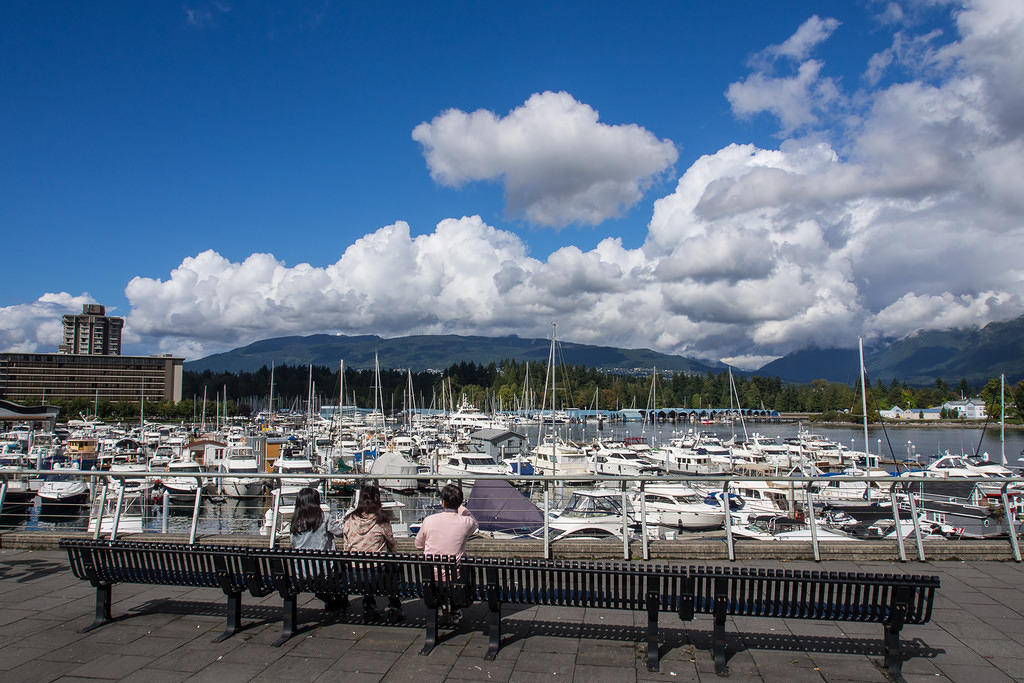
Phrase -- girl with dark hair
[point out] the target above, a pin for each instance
(309, 526)
(368, 530)
(368, 526)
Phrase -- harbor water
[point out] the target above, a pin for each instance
(219, 515)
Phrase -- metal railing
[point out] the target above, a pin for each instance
(542, 485)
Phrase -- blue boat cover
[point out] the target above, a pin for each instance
(498, 506)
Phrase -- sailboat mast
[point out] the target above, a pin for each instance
(270, 408)
(864, 397)
(1002, 417)
(551, 365)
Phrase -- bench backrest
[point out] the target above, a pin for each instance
(560, 582)
(293, 571)
(810, 594)
(106, 562)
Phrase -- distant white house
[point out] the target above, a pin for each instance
(970, 409)
(897, 413)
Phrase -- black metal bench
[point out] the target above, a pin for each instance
(887, 599)
(445, 584)
(333, 576)
(105, 563)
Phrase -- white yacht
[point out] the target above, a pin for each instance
(299, 469)
(706, 459)
(138, 483)
(589, 515)
(782, 528)
(679, 507)
(63, 487)
(241, 462)
(182, 479)
(561, 458)
(835, 492)
(463, 462)
(614, 459)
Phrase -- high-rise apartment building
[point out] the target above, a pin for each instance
(92, 333)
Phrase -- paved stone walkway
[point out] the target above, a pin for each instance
(165, 634)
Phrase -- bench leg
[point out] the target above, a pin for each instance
(430, 638)
(718, 638)
(291, 615)
(234, 622)
(102, 608)
(652, 632)
(493, 632)
(893, 660)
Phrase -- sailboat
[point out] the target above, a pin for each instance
(553, 455)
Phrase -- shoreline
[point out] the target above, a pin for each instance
(923, 424)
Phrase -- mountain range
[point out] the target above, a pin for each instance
(973, 354)
(426, 352)
(976, 355)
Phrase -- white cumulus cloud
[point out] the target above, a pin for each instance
(37, 326)
(557, 162)
(907, 216)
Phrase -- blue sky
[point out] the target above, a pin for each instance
(722, 180)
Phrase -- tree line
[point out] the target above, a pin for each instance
(513, 385)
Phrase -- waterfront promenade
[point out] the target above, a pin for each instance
(165, 634)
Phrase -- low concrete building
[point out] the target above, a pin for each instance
(37, 417)
(496, 442)
(40, 377)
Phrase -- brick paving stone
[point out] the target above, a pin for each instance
(959, 672)
(469, 668)
(841, 667)
(39, 670)
(155, 676)
(295, 668)
(11, 615)
(80, 651)
(404, 672)
(387, 641)
(254, 654)
(510, 650)
(221, 672)
(586, 673)
(553, 644)
(366, 662)
(545, 663)
(16, 654)
(152, 646)
(315, 645)
(782, 666)
(596, 653)
(332, 676)
(189, 660)
(110, 665)
(443, 655)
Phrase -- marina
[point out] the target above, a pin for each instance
(592, 480)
